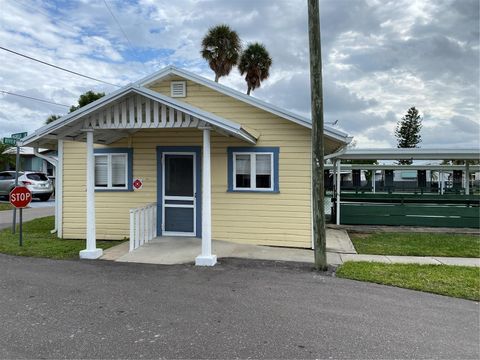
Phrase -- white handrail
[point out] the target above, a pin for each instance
(143, 225)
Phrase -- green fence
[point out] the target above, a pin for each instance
(410, 210)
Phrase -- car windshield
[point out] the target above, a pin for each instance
(37, 177)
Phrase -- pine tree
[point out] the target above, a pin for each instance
(408, 132)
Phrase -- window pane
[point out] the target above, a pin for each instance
(242, 171)
(264, 164)
(264, 171)
(243, 181)
(101, 171)
(242, 164)
(119, 167)
(263, 181)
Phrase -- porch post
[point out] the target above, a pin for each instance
(91, 252)
(339, 162)
(441, 182)
(467, 178)
(59, 190)
(374, 172)
(206, 258)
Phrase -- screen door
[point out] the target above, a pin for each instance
(179, 194)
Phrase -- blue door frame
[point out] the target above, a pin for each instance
(198, 176)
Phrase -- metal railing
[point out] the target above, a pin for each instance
(143, 225)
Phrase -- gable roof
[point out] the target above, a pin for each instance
(70, 120)
(285, 114)
(228, 126)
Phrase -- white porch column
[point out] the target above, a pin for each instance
(441, 182)
(59, 190)
(206, 258)
(339, 162)
(374, 173)
(91, 252)
(467, 178)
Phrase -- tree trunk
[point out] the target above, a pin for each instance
(248, 90)
(216, 77)
(319, 234)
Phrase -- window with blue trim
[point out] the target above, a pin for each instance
(113, 169)
(253, 169)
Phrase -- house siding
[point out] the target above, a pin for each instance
(280, 219)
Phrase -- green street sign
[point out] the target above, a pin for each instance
(19, 135)
(10, 141)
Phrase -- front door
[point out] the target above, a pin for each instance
(179, 189)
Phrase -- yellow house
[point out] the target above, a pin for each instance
(175, 154)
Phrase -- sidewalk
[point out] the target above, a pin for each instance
(175, 250)
(6, 216)
(338, 259)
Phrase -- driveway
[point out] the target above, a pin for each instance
(238, 309)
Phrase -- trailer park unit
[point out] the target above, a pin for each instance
(212, 162)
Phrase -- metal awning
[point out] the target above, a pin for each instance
(407, 154)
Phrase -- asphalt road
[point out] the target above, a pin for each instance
(238, 309)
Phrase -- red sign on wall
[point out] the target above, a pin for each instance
(137, 184)
(20, 196)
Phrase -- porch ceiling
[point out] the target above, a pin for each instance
(125, 112)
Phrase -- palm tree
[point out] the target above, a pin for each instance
(255, 62)
(52, 118)
(221, 47)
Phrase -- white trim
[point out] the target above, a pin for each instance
(91, 251)
(110, 171)
(184, 89)
(410, 153)
(171, 70)
(59, 189)
(180, 198)
(228, 126)
(206, 258)
(338, 191)
(253, 171)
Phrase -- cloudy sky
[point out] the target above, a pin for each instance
(379, 57)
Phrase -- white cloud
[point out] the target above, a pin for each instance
(380, 58)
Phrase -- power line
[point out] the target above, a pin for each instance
(118, 23)
(57, 67)
(33, 98)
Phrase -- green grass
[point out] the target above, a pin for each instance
(5, 206)
(417, 244)
(456, 281)
(39, 242)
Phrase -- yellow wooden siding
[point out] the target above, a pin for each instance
(282, 219)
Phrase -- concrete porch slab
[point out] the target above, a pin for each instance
(169, 250)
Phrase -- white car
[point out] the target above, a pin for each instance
(38, 183)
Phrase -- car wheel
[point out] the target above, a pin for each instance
(44, 197)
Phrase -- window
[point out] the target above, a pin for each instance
(253, 169)
(113, 169)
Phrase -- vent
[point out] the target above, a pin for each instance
(178, 88)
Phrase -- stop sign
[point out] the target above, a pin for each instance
(20, 196)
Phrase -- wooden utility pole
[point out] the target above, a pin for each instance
(319, 235)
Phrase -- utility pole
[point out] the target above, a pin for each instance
(319, 235)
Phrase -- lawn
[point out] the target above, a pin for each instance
(39, 242)
(456, 281)
(5, 206)
(417, 244)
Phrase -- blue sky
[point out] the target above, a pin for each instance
(380, 57)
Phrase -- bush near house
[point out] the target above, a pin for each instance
(39, 242)
(417, 244)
